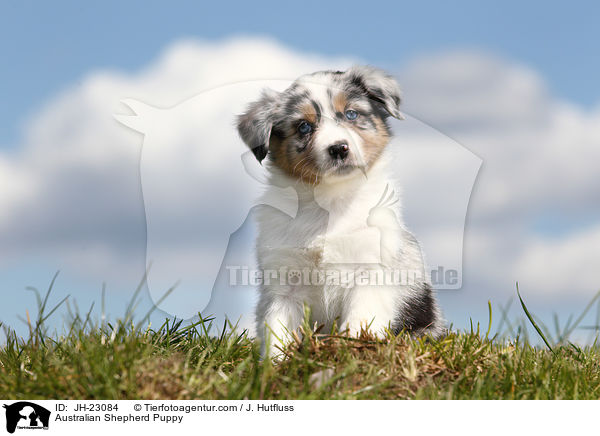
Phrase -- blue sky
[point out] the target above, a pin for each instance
(47, 46)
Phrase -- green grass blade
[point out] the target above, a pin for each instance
(490, 318)
(532, 321)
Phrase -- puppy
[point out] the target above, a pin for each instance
(325, 136)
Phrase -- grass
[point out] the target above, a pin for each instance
(100, 360)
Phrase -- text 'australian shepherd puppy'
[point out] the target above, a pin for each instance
(346, 254)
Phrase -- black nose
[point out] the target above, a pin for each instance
(338, 151)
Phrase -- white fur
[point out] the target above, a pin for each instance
(349, 237)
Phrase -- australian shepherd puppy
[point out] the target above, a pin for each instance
(346, 253)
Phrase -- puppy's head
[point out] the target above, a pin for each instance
(325, 125)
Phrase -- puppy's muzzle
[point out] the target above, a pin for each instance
(338, 151)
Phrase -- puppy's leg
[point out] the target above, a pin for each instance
(374, 307)
(420, 314)
(277, 316)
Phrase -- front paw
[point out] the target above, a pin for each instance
(273, 346)
(274, 352)
(357, 327)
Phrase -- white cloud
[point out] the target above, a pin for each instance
(71, 192)
(559, 266)
(475, 90)
(538, 151)
(540, 164)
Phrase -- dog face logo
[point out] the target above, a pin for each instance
(26, 415)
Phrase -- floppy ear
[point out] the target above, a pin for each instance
(255, 125)
(379, 86)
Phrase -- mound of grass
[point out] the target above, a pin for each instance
(177, 361)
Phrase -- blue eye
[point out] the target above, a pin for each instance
(351, 115)
(304, 128)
